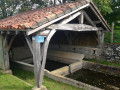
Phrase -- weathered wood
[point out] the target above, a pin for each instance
(34, 61)
(74, 27)
(53, 21)
(89, 19)
(29, 42)
(6, 55)
(10, 43)
(1, 53)
(68, 19)
(44, 54)
(81, 18)
(112, 32)
(97, 22)
(44, 33)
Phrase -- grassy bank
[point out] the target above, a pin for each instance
(9, 82)
(108, 63)
(49, 83)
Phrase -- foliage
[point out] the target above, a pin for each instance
(104, 6)
(116, 37)
(11, 7)
(115, 15)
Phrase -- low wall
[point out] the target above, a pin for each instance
(111, 52)
(89, 52)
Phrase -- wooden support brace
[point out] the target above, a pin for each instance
(29, 42)
(81, 18)
(89, 19)
(11, 41)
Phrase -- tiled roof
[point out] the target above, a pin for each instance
(38, 17)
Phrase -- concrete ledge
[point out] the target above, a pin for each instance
(101, 68)
(42, 88)
(7, 71)
(75, 66)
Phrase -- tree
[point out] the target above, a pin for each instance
(104, 6)
(11, 7)
(115, 15)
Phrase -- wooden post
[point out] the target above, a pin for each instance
(81, 18)
(5, 50)
(1, 53)
(37, 58)
(112, 32)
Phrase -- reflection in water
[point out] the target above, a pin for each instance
(101, 80)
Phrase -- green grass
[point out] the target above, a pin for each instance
(49, 83)
(9, 82)
(108, 63)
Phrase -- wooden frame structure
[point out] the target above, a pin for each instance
(39, 49)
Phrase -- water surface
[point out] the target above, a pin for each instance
(101, 80)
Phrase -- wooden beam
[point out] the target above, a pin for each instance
(53, 21)
(10, 43)
(45, 33)
(89, 19)
(74, 27)
(81, 18)
(97, 22)
(29, 42)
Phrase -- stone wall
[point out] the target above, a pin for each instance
(89, 52)
(111, 52)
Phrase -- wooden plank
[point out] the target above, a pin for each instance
(53, 21)
(74, 27)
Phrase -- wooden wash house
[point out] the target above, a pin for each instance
(62, 27)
